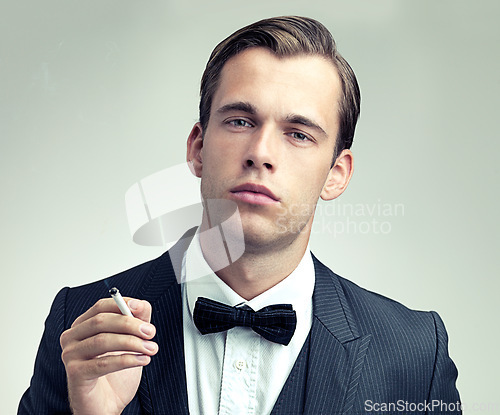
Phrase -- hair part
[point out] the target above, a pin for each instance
(287, 36)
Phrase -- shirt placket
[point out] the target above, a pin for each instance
(239, 372)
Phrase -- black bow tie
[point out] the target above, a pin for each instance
(275, 322)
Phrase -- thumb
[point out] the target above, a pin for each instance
(140, 309)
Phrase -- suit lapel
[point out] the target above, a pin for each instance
(337, 352)
(163, 388)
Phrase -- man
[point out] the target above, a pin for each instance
(277, 116)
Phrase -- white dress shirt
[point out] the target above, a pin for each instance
(238, 371)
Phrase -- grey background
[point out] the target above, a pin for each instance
(96, 95)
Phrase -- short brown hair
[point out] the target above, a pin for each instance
(286, 36)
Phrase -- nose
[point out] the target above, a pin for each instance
(262, 150)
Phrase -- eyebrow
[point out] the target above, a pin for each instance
(238, 106)
(307, 122)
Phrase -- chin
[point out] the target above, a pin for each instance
(257, 242)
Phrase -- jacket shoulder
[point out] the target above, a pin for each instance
(131, 282)
(382, 317)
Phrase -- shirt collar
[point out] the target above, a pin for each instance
(201, 281)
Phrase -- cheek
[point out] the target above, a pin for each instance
(314, 179)
(218, 151)
(212, 159)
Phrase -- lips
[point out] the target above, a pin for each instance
(254, 193)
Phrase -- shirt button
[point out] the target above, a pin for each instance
(240, 364)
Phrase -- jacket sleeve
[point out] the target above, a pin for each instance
(443, 394)
(48, 392)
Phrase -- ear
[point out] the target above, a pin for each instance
(194, 147)
(338, 176)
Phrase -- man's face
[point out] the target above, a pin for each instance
(269, 143)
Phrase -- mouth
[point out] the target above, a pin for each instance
(254, 194)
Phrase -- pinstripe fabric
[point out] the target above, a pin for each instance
(333, 348)
(443, 367)
(292, 396)
(362, 347)
(394, 354)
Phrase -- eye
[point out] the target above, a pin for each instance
(239, 123)
(300, 136)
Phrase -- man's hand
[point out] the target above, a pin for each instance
(104, 352)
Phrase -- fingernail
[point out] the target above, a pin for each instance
(150, 346)
(147, 329)
(142, 358)
(133, 304)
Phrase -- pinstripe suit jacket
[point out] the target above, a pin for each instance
(363, 350)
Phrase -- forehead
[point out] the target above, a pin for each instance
(307, 85)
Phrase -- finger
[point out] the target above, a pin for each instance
(108, 323)
(104, 305)
(140, 308)
(103, 343)
(92, 369)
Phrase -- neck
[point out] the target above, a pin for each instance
(259, 268)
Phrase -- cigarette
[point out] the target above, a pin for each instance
(120, 302)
